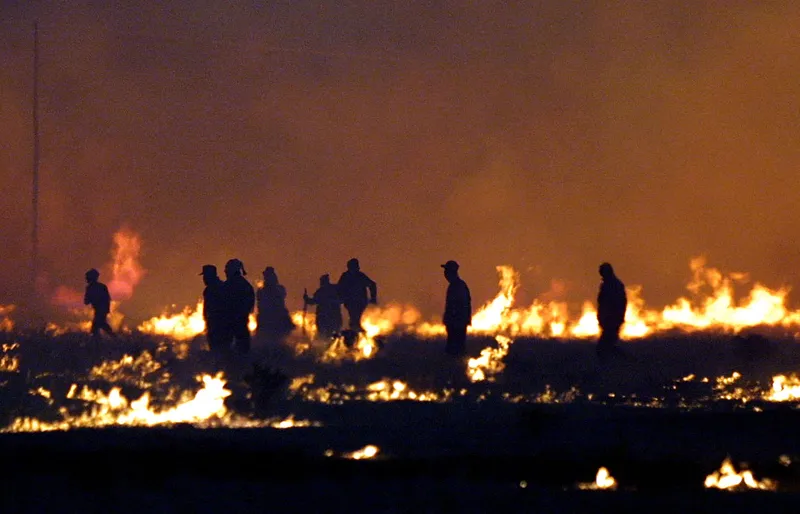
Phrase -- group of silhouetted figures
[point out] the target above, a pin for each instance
(227, 306)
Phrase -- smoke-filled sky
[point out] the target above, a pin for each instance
(549, 135)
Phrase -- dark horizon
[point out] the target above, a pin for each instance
(547, 136)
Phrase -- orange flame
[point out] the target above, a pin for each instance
(187, 324)
(728, 478)
(711, 305)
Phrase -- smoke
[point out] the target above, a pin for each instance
(125, 269)
(126, 272)
(550, 136)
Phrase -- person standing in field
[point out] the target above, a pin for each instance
(214, 310)
(612, 301)
(329, 310)
(240, 298)
(98, 297)
(274, 321)
(457, 310)
(356, 290)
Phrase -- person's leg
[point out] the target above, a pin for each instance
(355, 318)
(609, 337)
(242, 335)
(456, 340)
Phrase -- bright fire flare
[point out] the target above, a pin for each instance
(784, 389)
(603, 480)
(728, 478)
(367, 452)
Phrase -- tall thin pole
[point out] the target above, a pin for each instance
(35, 231)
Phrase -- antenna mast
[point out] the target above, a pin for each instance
(35, 205)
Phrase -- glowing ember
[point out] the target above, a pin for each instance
(384, 390)
(726, 388)
(367, 452)
(728, 478)
(9, 363)
(128, 369)
(6, 323)
(290, 422)
(603, 480)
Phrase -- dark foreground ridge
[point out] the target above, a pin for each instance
(659, 458)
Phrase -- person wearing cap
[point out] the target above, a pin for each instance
(214, 309)
(274, 321)
(611, 305)
(356, 290)
(241, 300)
(457, 310)
(98, 297)
(329, 310)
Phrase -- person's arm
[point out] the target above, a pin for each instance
(373, 290)
(251, 300)
(469, 304)
(310, 300)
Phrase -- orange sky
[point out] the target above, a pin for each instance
(549, 136)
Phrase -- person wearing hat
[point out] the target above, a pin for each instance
(214, 309)
(353, 287)
(612, 302)
(241, 300)
(274, 321)
(98, 297)
(457, 310)
(329, 310)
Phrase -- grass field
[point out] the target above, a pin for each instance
(661, 418)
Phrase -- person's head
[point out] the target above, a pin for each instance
(450, 270)
(234, 268)
(209, 273)
(353, 265)
(606, 271)
(325, 280)
(92, 275)
(270, 277)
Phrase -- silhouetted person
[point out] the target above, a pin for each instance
(274, 321)
(214, 310)
(611, 304)
(356, 291)
(97, 296)
(240, 300)
(457, 310)
(329, 310)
